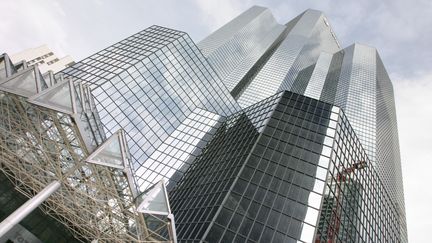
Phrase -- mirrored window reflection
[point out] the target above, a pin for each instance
(152, 82)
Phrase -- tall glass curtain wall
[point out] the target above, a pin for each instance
(268, 183)
(200, 116)
(149, 84)
(306, 58)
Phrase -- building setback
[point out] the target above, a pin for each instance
(308, 60)
(154, 85)
(287, 168)
(262, 132)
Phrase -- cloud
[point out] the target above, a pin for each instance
(24, 23)
(399, 29)
(218, 13)
(414, 112)
(214, 14)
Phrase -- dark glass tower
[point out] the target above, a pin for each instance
(289, 168)
(307, 59)
(262, 132)
(173, 100)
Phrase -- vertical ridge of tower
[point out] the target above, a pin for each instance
(261, 132)
(299, 49)
(307, 59)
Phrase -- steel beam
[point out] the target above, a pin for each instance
(28, 207)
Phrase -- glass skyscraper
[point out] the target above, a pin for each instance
(262, 132)
(307, 59)
(154, 85)
(289, 168)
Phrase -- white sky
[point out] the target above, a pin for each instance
(400, 30)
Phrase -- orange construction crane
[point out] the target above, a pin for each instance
(335, 219)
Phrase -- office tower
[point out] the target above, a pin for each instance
(44, 58)
(262, 133)
(276, 54)
(307, 60)
(267, 171)
(232, 50)
(157, 86)
(355, 80)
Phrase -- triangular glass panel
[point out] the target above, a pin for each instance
(21, 66)
(154, 200)
(23, 83)
(42, 83)
(59, 97)
(49, 78)
(110, 153)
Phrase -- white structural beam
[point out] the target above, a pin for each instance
(28, 207)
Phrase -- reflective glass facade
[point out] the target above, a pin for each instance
(197, 199)
(262, 132)
(256, 57)
(357, 81)
(302, 175)
(233, 50)
(356, 206)
(307, 59)
(150, 84)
